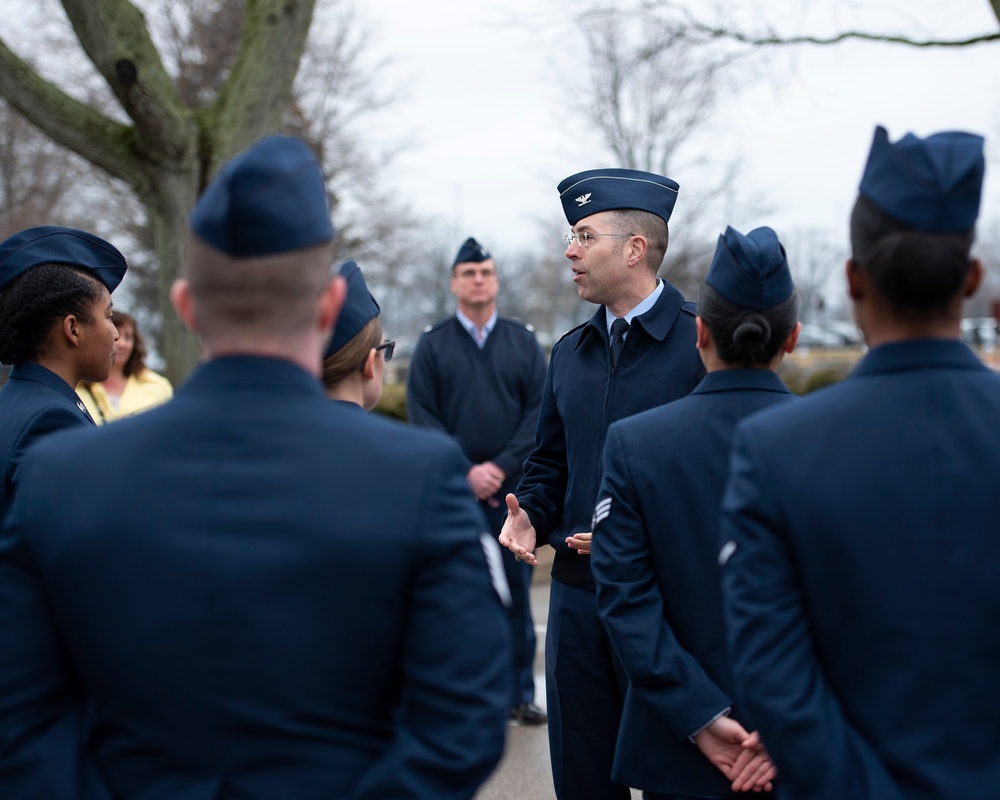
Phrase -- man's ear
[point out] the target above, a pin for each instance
(330, 303)
(638, 246)
(180, 298)
(973, 278)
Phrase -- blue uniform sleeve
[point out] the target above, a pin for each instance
(511, 458)
(456, 662)
(779, 677)
(42, 750)
(542, 490)
(423, 404)
(668, 679)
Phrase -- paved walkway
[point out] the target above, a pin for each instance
(524, 772)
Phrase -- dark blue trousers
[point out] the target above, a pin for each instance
(522, 626)
(584, 690)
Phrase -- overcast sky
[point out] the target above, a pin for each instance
(491, 138)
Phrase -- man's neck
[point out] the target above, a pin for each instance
(479, 315)
(631, 296)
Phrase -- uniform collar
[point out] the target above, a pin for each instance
(473, 331)
(657, 321)
(639, 310)
(727, 380)
(919, 354)
(258, 374)
(33, 371)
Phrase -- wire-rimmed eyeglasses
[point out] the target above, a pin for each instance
(585, 239)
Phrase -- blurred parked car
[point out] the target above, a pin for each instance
(980, 331)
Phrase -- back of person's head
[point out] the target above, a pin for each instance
(46, 274)
(357, 332)
(913, 223)
(748, 298)
(259, 244)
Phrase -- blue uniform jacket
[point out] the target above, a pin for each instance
(659, 363)
(863, 594)
(487, 399)
(655, 561)
(254, 593)
(33, 403)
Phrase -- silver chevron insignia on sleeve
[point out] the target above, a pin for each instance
(601, 512)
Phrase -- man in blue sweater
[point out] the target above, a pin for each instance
(478, 377)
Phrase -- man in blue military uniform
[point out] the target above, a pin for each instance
(55, 329)
(658, 585)
(478, 377)
(861, 523)
(637, 352)
(264, 594)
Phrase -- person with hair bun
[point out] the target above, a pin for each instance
(354, 360)
(655, 544)
(131, 386)
(56, 329)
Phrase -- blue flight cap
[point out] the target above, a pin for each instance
(53, 244)
(598, 190)
(471, 252)
(358, 310)
(269, 199)
(751, 271)
(932, 184)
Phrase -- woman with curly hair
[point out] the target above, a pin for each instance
(131, 386)
(55, 331)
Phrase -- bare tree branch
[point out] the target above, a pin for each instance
(775, 39)
(274, 37)
(114, 36)
(69, 122)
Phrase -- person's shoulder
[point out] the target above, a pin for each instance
(401, 442)
(436, 327)
(148, 376)
(793, 417)
(571, 335)
(515, 324)
(651, 425)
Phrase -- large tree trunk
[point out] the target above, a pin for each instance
(168, 218)
(169, 152)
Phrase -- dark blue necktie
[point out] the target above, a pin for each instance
(618, 330)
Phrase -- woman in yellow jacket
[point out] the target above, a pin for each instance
(132, 386)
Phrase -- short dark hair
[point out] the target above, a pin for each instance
(38, 299)
(914, 271)
(651, 227)
(746, 338)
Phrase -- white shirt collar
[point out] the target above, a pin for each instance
(478, 336)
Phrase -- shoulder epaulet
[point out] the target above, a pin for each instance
(571, 330)
(691, 307)
(437, 325)
(515, 322)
